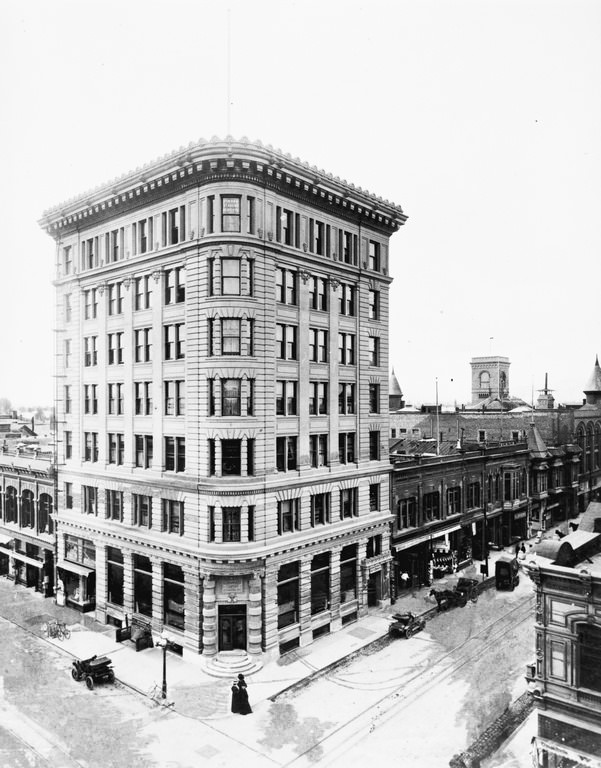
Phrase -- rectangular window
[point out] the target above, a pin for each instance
(346, 447)
(115, 298)
(283, 225)
(143, 448)
(431, 504)
(286, 285)
(374, 497)
(407, 513)
(174, 226)
(67, 352)
(175, 285)
(288, 516)
(285, 399)
(374, 256)
(67, 260)
(318, 345)
(348, 503)
(374, 305)
(250, 215)
(142, 510)
(374, 546)
(374, 445)
(250, 456)
(230, 213)
(348, 573)
(374, 398)
(142, 293)
(319, 293)
(318, 450)
(68, 440)
(68, 495)
(346, 398)
(231, 277)
(67, 398)
(320, 583)
(318, 397)
(231, 397)
(67, 307)
(173, 516)
(90, 446)
(143, 398)
(115, 348)
(143, 345)
(231, 336)
(175, 398)
(114, 252)
(175, 341)
(286, 458)
(374, 351)
(453, 501)
(175, 454)
(231, 457)
(346, 299)
(90, 499)
(114, 505)
(90, 304)
(115, 399)
(320, 509)
(288, 594)
(473, 495)
(230, 529)
(286, 341)
(114, 575)
(90, 351)
(116, 445)
(346, 348)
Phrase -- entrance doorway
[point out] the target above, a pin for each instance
(374, 588)
(232, 627)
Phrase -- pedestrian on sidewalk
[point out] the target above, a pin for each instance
(235, 698)
(405, 579)
(243, 700)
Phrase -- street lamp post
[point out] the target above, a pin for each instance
(164, 644)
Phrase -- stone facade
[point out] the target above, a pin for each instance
(223, 350)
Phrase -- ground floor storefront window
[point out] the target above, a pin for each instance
(173, 596)
(142, 585)
(288, 594)
(320, 583)
(114, 559)
(348, 573)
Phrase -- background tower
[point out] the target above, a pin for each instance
(490, 377)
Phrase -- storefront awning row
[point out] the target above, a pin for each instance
(81, 570)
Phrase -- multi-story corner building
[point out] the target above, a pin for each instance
(222, 321)
(27, 503)
(455, 506)
(566, 675)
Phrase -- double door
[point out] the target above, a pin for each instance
(232, 627)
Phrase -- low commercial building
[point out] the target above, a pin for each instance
(27, 506)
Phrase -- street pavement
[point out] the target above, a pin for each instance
(192, 692)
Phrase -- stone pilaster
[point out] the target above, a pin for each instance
(336, 622)
(271, 640)
(253, 643)
(209, 618)
(128, 582)
(304, 609)
(157, 595)
(192, 611)
(101, 584)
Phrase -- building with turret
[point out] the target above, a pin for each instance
(222, 363)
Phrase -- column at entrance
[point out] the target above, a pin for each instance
(304, 611)
(192, 611)
(209, 618)
(254, 635)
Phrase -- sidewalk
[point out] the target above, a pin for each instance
(193, 692)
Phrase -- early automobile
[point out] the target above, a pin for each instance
(507, 574)
(96, 669)
(405, 624)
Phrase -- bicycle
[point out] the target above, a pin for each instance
(56, 629)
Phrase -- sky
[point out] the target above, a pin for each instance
(481, 118)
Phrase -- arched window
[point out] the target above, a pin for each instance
(589, 657)
(27, 510)
(10, 505)
(484, 380)
(45, 522)
(596, 458)
(588, 462)
(580, 440)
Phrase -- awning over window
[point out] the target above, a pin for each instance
(81, 570)
(26, 559)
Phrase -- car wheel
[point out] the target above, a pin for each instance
(75, 674)
(90, 683)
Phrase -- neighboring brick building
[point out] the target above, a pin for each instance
(222, 321)
(27, 505)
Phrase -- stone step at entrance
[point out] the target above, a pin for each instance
(231, 664)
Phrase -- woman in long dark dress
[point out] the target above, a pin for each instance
(244, 705)
(235, 698)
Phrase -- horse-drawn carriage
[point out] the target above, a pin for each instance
(405, 624)
(465, 589)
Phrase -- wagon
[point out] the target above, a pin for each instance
(468, 587)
